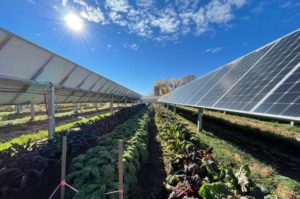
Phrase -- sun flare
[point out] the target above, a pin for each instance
(74, 22)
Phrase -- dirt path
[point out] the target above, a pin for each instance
(152, 174)
(282, 156)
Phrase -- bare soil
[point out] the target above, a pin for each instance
(152, 174)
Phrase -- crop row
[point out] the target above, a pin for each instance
(194, 173)
(43, 134)
(95, 172)
(21, 164)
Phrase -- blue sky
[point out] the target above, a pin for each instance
(138, 42)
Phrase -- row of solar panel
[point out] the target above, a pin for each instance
(266, 81)
(22, 60)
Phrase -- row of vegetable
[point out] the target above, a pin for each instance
(21, 164)
(43, 134)
(192, 170)
(96, 173)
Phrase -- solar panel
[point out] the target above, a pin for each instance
(264, 82)
(27, 69)
(208, 83)
(237, 69)
(263, 76)
(285, 100)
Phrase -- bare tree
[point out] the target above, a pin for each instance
(174, 83)
(166, 86)
(188, 78)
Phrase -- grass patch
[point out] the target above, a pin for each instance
(42, 134)
(25, 117)
(230, 155)
(273, 130)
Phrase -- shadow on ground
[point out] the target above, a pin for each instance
(282, 156)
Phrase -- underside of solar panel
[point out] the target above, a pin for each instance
(27, 70)
(265, 82)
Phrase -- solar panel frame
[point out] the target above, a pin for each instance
(265, 87)
(29, 65)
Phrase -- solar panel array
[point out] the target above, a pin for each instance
(264, 82)
(27, 69)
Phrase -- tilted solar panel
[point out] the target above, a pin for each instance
(238, 68)
(27, 70)
(264, 82)
(263, 76)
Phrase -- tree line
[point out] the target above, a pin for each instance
(162, 87)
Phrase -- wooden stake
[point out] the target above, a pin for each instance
(63, 166)
(120, 169)
(63, 183)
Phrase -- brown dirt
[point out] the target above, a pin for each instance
(152, 174)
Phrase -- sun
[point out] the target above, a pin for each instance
(74, 22)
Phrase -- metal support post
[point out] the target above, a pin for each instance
(96, 106)
(32, 110)
(125, 102)
(174, 108)
(51, 112)
(200, 120)
(18, 108)
(75, 107)
(292, 123)
(112, 105)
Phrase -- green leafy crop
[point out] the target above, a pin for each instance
(96, 172)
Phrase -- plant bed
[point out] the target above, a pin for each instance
(11, 132)
(95, 172)
(193, 170)
(152, 174)
(268, 148)
(34, 170)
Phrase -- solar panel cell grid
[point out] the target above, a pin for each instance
(190, 89)
(237, 70)
(263, 76)
(208, 83)
(280, 101)
(266, 82)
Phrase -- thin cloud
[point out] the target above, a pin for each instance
(213, 50)
(93, 14)
(31, 2)
(167, 22)
(132, 46)
(287, 4)
(260, 7)
(176, 18)
(90, 13)
(117, 5)
(64, 2)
